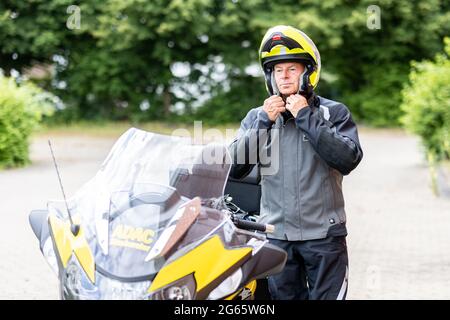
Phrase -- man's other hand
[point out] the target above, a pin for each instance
(295, 103)
(273, 106)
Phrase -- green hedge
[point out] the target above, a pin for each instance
(21, 109)
(426, 103)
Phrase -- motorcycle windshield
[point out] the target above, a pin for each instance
(141, 190)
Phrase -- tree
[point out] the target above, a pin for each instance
(120, 62)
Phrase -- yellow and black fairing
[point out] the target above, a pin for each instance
(61, 246)
(207, 264)
(228, 255)
(270, 260)
(71, 249)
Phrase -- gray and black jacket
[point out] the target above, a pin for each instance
(302, 163)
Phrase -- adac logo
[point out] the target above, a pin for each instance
(132, 237)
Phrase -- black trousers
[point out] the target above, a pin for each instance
(315, 269)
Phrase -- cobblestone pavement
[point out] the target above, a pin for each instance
(399, 232)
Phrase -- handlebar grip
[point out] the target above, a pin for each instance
(250, 225)
(270, 228)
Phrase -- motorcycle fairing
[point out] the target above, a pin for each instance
(210, 262)
(67, 244)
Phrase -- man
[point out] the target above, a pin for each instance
(317, 144)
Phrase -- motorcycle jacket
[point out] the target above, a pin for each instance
(301, 194)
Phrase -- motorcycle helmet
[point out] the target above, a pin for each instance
(284, 44)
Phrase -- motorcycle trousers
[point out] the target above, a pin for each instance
(315, 270)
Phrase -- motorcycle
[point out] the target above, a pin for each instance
(154, 224)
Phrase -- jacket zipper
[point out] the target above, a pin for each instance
(297, 178)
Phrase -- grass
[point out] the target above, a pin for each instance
(110, 129)
(200, 133)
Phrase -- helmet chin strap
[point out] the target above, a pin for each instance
(303, 82)
(273, 83)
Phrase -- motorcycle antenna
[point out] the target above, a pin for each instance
(74, 228)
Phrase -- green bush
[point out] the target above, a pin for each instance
(426, 103)
(21, 109)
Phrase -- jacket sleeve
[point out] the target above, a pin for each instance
(252, 135)
(335, 140)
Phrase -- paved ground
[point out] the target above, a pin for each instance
(399, 240)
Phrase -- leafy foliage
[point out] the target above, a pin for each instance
(21, 108)
(427, 104)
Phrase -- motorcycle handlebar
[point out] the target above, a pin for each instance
(250, 225)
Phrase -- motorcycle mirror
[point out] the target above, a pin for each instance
(36, 218)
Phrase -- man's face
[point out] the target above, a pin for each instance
(287, 75)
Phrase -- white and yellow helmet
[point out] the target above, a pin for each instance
(285, 43)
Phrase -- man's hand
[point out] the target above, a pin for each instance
(273, 106)
(295, 103)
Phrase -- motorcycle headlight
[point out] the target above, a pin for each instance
(76, 285)
(117, 290)
(227, 287)
(182, 289)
